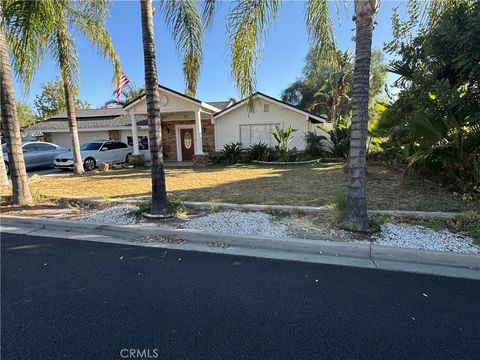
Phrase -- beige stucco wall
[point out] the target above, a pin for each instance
(227, 127)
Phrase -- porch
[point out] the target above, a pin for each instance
(188, 130)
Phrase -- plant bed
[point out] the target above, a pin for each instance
(299, 162)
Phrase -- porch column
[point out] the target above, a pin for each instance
(198, 133)
(136, 150)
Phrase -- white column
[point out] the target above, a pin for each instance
(136, 150)
(198, 133)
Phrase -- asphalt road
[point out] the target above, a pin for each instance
(83, 300)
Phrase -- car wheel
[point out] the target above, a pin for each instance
(89, 164)
(7, 168)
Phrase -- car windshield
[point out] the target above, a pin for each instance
(4, 147)
(91, 146)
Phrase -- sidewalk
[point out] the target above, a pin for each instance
(316, 251)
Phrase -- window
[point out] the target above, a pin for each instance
(114, 145)
(30, 148)
(91, 146)
(142, 142)
(253, 134)
(266, 107)
(44, 147)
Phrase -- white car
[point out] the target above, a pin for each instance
(95, 153)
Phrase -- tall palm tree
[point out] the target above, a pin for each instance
(159, 192)
(355, 215)
(11, 127)
(86, 17)
(249, 21)
(187, 24)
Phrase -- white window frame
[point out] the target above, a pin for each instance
(254, 124)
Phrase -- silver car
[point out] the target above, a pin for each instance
(95, 153)
(36, 154)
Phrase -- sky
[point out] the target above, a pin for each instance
(282, 61)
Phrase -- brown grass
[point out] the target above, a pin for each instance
(312, 185)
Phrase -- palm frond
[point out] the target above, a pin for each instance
(184, 20)
(248, 23)
(321, 29)
(89, 18)
(27, 25)
(208, 11)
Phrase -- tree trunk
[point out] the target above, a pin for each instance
(355, 216)
(159, 192)
(11, 129)
(64, 54)
(3, 171)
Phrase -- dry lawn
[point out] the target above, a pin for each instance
(312, 185)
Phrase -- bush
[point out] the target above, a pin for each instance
(260, 152)
(138, 163)
(232, 152)
(340, 137)
(316, 146)
(175, 206)
(340, 202)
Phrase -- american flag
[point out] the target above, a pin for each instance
(122, 83)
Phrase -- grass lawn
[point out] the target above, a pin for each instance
(312, 185)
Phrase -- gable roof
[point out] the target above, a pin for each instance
(174, 92)
(313, 117)
(87, 119)
(221, 105)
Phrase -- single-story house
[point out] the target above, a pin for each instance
(191, 128)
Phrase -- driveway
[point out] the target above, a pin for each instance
(77, 300)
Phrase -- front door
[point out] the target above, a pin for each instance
(186, 139)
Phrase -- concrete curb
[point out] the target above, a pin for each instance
(319, 210)
(321, 247)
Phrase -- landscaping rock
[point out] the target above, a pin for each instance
(240, 223)
(112, 215)
(419, 237)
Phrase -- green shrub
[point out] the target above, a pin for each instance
(175, 206)
(260, 152)
(232, 152)
(434, 224)
(138, 163)
(214, 206)
(106, 200)
(316, 146)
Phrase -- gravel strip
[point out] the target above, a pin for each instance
(240, 223)
(419, 237)
(112, 215)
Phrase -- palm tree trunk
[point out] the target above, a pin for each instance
(355, 216)
(64, 58)
(11, 129)
(159, 192)
(3, 172)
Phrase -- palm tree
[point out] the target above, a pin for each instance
(355, 215)
(86, 17)
(248, 23)
(159, 192)
(184, 20)
(10, 125)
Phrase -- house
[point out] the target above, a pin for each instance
(191, 128)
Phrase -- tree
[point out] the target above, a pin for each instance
(51, 100)
(10, 125)
(355, 215)
(433, 126)
(249, 21)
(129, 93)
(25, 115)
(159, 192)
(53, 29)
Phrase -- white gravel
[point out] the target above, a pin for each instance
(112, 215)
(419, 237)
(241, 223)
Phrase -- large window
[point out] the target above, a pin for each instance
(255, 133)
(142, 142)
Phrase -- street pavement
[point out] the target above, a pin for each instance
(86, 300)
